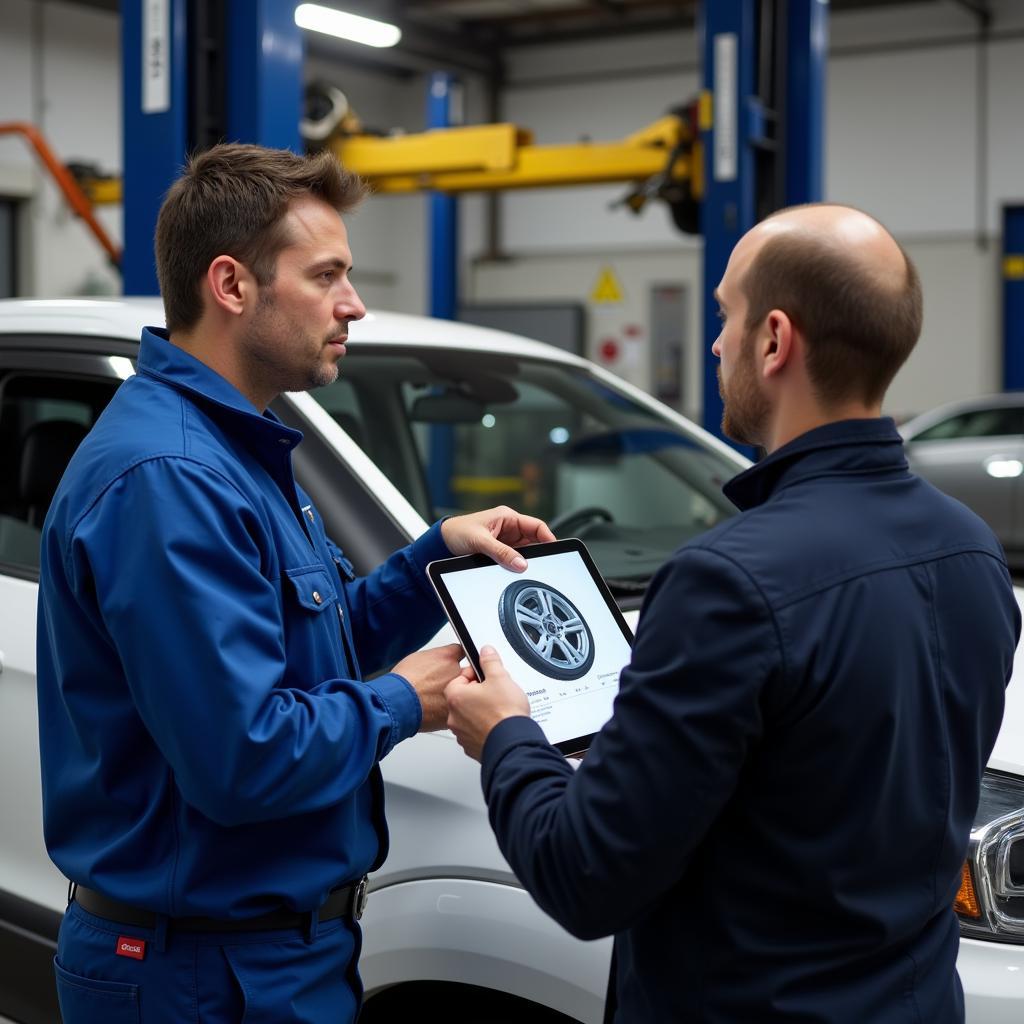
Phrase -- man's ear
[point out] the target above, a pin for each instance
(231, 285)
(777, 347)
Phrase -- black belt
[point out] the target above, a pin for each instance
(347, 901)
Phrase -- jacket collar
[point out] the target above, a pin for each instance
(161, 358)
(846, 446)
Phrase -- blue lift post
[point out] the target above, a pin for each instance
(264, 80)
(1013, 297)
(443, 268)
(804, 135)
(737, 127)
(444, 209)
(154, 126)
(262, 53)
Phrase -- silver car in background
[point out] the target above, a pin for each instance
(974, 450)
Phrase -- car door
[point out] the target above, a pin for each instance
(48, 401)
(977, 456)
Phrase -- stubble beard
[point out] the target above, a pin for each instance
(745, 408)
(272, 345)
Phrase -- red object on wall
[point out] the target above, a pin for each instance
(609, 350)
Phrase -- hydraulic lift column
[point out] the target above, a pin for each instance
(196, 72)
(762, 118)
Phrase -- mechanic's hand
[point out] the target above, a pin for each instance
(475, 708)
(495, 532)
(429, 672)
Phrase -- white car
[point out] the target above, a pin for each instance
(428, 417)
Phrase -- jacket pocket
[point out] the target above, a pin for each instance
(312, 587)
(92, 1001)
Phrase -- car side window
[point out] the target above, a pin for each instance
(977, 423)
(43, 418)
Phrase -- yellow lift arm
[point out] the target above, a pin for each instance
(503, 156)
(663, 161)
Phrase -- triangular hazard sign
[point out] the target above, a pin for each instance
(607, 288)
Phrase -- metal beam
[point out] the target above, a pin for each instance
(265, 52)
(483, 158)
(803, 107)
(442, 111)
(444, 210)
(493, 157)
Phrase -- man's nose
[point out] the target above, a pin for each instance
(350, 307)
(716, 348)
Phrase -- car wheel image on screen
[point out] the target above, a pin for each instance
(546, 630)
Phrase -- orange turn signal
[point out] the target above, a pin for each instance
(966, 902)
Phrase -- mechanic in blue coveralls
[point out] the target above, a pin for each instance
(774, 822)
(209, 749)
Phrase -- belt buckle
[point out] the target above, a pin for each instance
(359, 897)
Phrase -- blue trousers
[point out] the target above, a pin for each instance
(122, 974)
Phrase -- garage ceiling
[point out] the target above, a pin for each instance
(518, 22)
(471, 34)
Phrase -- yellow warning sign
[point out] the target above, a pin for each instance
(1013, 267)
(607, 288)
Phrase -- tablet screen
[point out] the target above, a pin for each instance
(556, 627)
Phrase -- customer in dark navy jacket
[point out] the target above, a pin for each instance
(209, 751)
(774, 821)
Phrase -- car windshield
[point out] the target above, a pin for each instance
(457, 431)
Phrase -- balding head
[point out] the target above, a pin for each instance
(846, 284)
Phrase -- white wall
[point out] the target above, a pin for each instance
(902, 141)
(59, 69)
(388, 234)
(572, 276)
(603, 91)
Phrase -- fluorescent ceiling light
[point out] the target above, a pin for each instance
(346, 26)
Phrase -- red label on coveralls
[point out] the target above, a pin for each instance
(135, 948)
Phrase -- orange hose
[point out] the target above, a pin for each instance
(76, 198)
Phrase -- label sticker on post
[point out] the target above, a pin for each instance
(156, 56)
(726, 111)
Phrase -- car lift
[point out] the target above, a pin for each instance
(197, 71)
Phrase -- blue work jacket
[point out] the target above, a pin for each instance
(775, 819)
(208, 746)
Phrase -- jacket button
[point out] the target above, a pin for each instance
(317, 599)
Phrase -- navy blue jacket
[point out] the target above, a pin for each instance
(774, 821)
(207, 744)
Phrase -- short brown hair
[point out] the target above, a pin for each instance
(860, 329)
(231, 200)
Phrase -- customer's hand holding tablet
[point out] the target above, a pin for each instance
(555, 626)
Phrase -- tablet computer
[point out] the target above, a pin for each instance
(556, 626)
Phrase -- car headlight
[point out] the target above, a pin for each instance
(990, 903)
